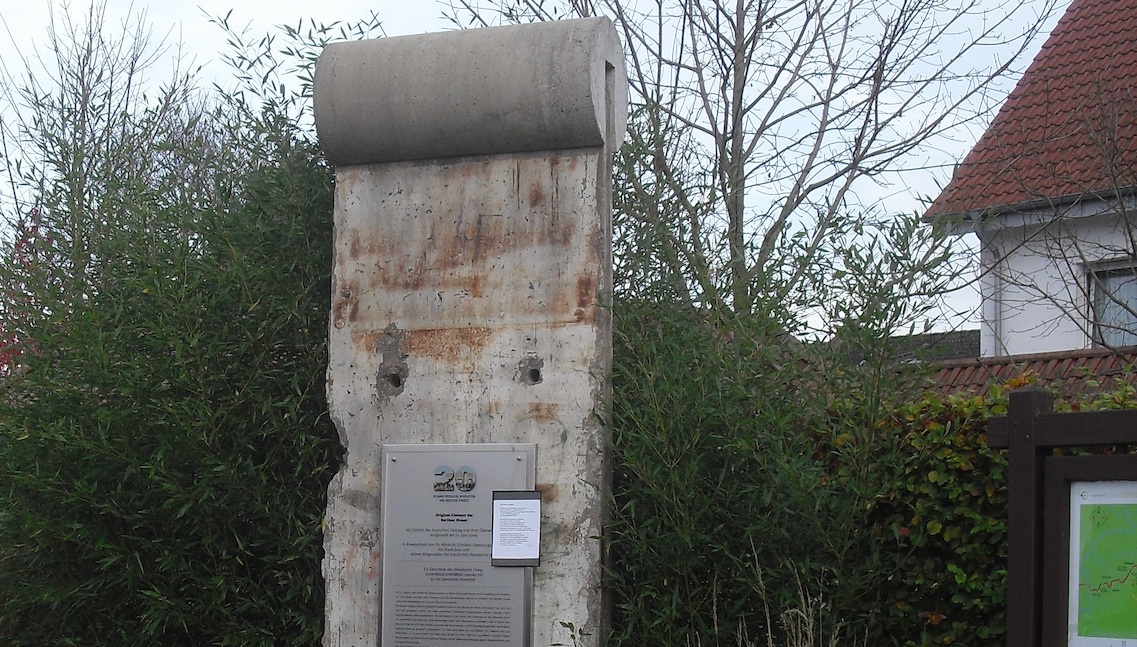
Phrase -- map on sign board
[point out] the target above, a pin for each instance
(1103, 564)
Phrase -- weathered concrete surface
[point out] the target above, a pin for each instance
(470, 305)
(508, 89)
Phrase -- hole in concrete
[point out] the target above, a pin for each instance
(395, 380)
(529, 371)
(391, 380)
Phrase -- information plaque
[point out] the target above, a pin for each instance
(439, 586)
(1103, 564)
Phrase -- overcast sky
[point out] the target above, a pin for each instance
(23, 22)
(186, 22)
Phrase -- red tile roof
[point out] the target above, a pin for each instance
(1069, 128)
(1069, 373)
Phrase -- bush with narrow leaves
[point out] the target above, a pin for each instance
(164, 442)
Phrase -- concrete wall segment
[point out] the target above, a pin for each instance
(470, 303)
(453, 282)
(516, 88)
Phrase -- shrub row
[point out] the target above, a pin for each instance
(165, 448)
(766, 491)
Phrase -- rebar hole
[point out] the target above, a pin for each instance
(529, 370)
(395, 380)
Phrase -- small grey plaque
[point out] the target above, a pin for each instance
(439, 587)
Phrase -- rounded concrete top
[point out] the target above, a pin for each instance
(520, 88)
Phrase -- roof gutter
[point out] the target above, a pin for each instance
(976, 216)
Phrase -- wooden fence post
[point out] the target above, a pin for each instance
(1024, 517)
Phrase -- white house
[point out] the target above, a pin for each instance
(1049, 191)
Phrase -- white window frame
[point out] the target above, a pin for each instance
(1101, 307)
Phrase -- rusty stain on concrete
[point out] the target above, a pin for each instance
(543, 411)
(457, 241)
(536, 194)
(354, 250)
(453, 345)
(345, 301)
(548, 492)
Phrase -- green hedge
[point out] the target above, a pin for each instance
(770, 490)
(165, 453)
(727, 509)
(945, 514)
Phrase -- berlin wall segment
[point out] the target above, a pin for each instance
(470, 310)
